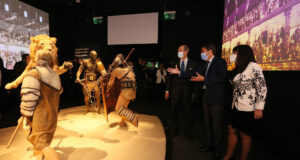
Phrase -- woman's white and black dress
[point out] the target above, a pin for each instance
(249, 93)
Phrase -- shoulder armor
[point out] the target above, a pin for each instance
(100, 66)
(48, 76)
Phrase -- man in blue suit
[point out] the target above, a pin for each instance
(211, 77)
(179, 88)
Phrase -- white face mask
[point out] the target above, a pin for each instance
(180, 55)
(203, 56)
(232, 58)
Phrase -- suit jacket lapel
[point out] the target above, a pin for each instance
(211, 65)
(188, 64)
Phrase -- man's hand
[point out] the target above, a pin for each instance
(77, 80)
(107, 94)
(198, 78)
(174, 70)
(258, 114)
(26, 123)
(167, 95)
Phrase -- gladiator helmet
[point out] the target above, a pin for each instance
(119, 61)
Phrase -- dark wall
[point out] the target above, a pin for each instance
(194, 24)
(203, 24)
(78, 31)
(282, 111)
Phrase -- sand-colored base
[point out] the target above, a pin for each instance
(90, 137)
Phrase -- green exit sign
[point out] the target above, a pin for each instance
(98, 20)
(170, 15)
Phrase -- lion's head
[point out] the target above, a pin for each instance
(43, 42)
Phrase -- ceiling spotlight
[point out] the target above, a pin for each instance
(77, 1)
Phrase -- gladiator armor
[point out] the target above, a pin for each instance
(126, 76)
(90, 67)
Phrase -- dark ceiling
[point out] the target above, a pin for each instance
(71, 6)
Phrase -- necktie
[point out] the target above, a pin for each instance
(206, 69)
(182, 66)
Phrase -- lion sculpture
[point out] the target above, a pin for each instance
(41, 42)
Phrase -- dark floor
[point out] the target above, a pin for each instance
(183, 148)
(178, 148)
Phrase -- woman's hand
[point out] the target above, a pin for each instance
(258, 114)
(167, 95)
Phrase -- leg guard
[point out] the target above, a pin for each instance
(122, 122)
(129, 115)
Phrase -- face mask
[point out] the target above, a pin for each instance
(232, 58)
(204, 56)
(180, 55)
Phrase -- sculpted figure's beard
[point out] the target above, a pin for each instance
(44, 58)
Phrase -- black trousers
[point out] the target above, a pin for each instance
(159, 91)
(181, 108)
(213, 115)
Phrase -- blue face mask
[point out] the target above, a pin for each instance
(204, 56)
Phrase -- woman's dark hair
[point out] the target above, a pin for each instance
(235, 48)
(245, 55)
(1, 64)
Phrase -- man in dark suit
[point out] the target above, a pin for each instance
(179, 89)
(211, 77)
(20, 66)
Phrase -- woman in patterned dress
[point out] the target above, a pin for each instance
(248, 99)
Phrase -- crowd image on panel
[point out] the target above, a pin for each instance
(251, 22)
(19, 22)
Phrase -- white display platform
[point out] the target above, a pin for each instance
(90, 137)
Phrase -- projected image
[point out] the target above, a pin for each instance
(139, 28)
(18, 22)
(270, 27)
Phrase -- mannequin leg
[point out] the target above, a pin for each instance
(122, 101)
(38, 155)
(122, 122)
(50, 153)
(86, 100)
(98, 98)
(125, 113)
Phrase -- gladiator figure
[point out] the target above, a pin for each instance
(90, 87)
(40, 94)
(125, 75)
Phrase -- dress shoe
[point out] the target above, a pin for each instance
(218, 156)
(173, 132)
(231, 158)
(189, 135)
(205, 149)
